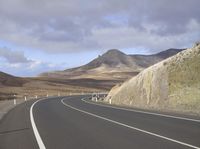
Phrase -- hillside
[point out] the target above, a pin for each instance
(30, 87)
(114, 65)
(9, 80)
(173, 84)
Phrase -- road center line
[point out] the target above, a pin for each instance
(35, 130)
(127, 126)
(144, 112)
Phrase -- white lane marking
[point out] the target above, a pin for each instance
(149, 113)
(35, 130)
(131, 127)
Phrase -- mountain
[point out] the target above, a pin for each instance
(172, 84)
(114, 65)
(145, 61)
(168, 53)
(111, 58)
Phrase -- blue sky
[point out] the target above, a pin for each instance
(47, 35)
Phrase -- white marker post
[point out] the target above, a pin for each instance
(110, 101)
(14, 101)
(58, 94)
(25, 98)
(36, 96)
(96, 97)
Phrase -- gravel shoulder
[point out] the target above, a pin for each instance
(7, 105)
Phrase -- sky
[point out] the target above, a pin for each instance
(46, 35)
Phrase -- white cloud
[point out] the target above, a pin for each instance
(30, 69)
(15, 62)
(34, 65)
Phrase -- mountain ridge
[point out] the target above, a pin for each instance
(113, 63)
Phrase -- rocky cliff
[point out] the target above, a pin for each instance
(173, 84)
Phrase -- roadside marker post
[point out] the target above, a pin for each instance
(14, 100)
(24, 98)
(96, 97)
(110, 101)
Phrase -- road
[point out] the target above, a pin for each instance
(70, 122)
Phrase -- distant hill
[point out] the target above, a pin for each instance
(40, 87)
(168, 53)
(113, 64)
(172, 84)
(145, 61)
(9, 80)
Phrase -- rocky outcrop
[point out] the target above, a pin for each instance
(173, 84)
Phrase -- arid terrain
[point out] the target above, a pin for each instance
(41, 87)
(173, 84)
(100, 75)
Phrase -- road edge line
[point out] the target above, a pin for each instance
(35, 130)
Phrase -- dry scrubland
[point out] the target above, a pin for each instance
(173, 84)
(43, 86)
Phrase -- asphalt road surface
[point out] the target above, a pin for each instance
(73, 123)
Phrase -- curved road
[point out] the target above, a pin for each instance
(70, 122)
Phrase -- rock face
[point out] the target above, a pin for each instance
(173, 84)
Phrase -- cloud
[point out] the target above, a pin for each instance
(76, 25)
(16, 63)
(13, 57)
(32, 68)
